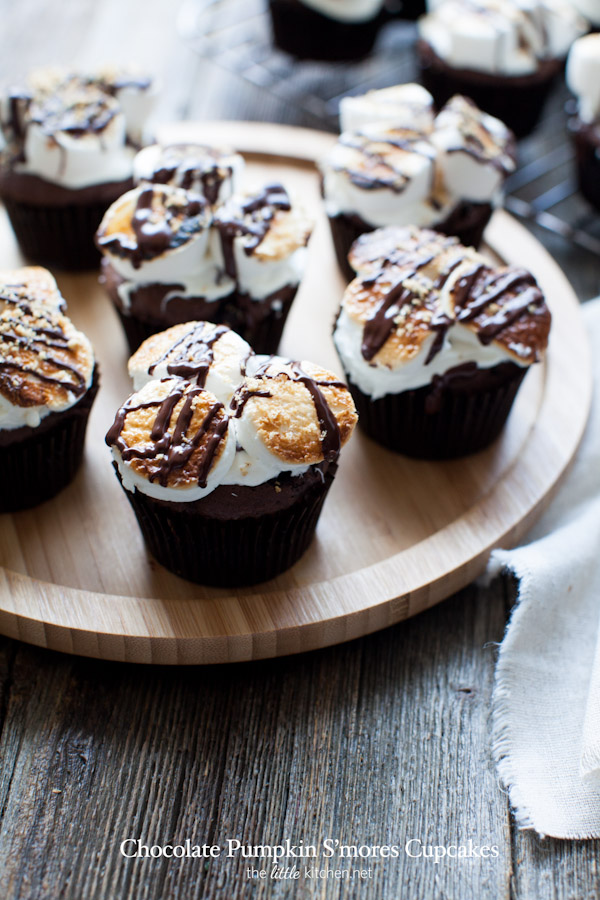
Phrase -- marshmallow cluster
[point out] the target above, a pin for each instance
(402, 174)
(583, 76)
(506, 37)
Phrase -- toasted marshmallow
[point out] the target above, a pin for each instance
(135, 93)
(154, 233)
(401, 106)
(46, 364)
(212, 356)
(429, 305)
(583, 76)
(508, 37)
(262, 241)
(212, 172)
(477, 151)
(172, 441)
(384, 175)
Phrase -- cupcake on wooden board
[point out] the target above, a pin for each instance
(68, 153)
(330, 30)
(448, 176)
(435, 341)
(212, 172)
(583, 79)
(240, 486)
(170, 258)
(48, 381)
(503, 54)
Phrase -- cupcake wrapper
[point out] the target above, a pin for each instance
(429, 423)
(230, 553)
(518, 102)
(307, 34)
(467, 222)
(263, 335)
(37, 467)
(61, 236)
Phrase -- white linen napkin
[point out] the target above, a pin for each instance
(546, 703)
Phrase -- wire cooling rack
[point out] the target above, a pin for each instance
(235, 35)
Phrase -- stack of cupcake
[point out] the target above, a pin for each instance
(69, 144)
(186, 244)
(401, 165)
(233, 453)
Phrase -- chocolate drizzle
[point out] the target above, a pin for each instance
(413, 142)
(172, 450)
(192, 355)
(191, 167)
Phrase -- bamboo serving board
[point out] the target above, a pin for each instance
(396, 535)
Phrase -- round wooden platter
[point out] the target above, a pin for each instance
(396, 535)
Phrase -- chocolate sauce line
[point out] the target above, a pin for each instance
(195, 354)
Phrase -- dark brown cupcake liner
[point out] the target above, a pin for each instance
(307, 34)
(231, 552)
(257, 321)
(409, 10)
(61, 236)
(444, 420)
(515, 100)
(467, 222)
(37, 463)
(586, 140)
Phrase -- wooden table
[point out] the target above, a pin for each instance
(375, 742)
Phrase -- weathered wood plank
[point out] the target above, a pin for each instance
(374, 742)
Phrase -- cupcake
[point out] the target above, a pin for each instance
(435, 341)
(331, 30)
(48, 381)
(66, 157)
(448, 176)
(169, 258)
(583, 79)
(402, 106)
(214, 173)
(230, 494)
(503, 54)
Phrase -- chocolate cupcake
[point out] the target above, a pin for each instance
(583, 79)
(503, 55)
(231, 495)
(435, 341)
(67, 156)
(169, 258)
(330, 30)
(212, 172)
(448, 176)
(48, 381)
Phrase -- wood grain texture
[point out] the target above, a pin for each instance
(259, 741)
(396, 536)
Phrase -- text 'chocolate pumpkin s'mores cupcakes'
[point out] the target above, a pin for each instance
(230, 494)
(326, 29)
(212, 172)
(171, 258)
(583, 79)
(435, 341)
(448, 176)
(68, 153)
(48, 381)
(503, 54)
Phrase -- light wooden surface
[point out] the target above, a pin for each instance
(396, 536)
(379, 739)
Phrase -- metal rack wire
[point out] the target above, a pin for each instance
(235, 35)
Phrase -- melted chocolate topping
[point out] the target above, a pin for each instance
(397, 181)
(188, 171)
(172, 450)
